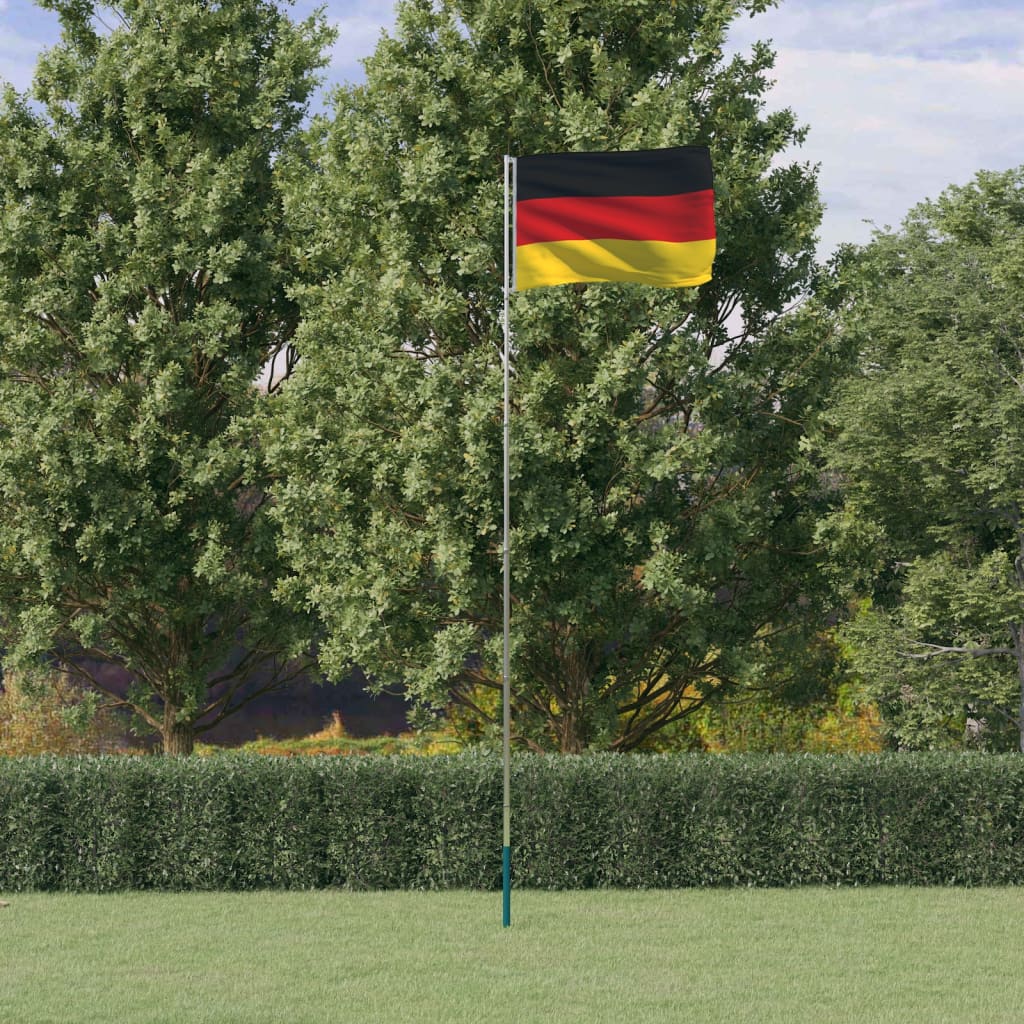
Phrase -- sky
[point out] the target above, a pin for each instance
(902, 98)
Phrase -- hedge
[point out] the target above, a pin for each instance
(245, 822)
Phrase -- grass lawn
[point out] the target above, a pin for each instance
(814, 955)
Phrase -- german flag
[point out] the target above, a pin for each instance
(646, 216)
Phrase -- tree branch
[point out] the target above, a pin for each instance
(939, 650)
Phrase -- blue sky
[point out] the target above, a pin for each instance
(902, 97)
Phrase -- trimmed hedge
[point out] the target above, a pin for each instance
(235, 822)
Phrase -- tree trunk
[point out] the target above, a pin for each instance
(569, 739)
(1018, 646)
(975, 728)
(179, 737)
(1017, 632)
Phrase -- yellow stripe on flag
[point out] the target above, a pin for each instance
(662, 264)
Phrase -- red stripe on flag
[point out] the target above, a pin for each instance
(686, 217)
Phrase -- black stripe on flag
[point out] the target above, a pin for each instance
(646, 172)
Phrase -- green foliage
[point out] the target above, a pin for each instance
(662, 506)
(236, 822)
(927, 437)
(143, 278)
(764, 723)
(51, 716)
(822, 709)
(334, 740)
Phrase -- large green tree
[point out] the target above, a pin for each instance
(928, 441)
(661, 506)
(143, 287)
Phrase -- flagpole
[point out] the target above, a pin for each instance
(506, 742)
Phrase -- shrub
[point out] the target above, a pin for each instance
(244, 822)
(51, 716)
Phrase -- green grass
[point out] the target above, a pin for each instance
(816, 955)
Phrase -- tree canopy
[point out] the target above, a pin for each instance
(144, 277)
(663, 506)
(927, 439)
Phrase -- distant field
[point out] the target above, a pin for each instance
(862, 956)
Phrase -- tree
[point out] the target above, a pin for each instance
(662, 508)
(928, 439)
(143, 285)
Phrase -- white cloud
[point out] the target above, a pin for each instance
(25, 31)
(939, 29)
(357, 39)
(890, 132)
(17, 58)
(902, 98)
(358, 33)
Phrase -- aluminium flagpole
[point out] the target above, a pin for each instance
(621, 202)
(506, 805)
